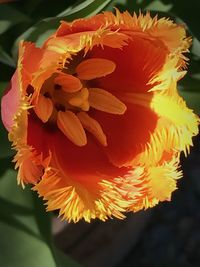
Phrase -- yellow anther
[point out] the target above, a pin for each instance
(68, 82)
(92, 126)
(85, 106)
(102, 100)
(84, 93)
(43, 108)
(81, 99)
(76, 101)
(71, 127)
(94, 68)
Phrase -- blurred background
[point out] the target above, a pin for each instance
(165, 236)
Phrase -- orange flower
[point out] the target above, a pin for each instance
(95, 116)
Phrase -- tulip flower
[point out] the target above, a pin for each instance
(95, 116)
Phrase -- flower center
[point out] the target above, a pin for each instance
(66, 99)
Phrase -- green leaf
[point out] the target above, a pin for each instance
(39, 11)
(64, 261)
(29, 5)
(47, 26)
(196, 47)
(157, 5)
(130, 5)
(192, 99)
(188, 11)
(85, 9)
(5, 146)
(10, 17)
(21, 243)
(25, 227)
(5, 58)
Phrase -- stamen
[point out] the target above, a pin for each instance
(44, 108)
(93, 127)
(94, 68)
(104, 101)
(85, 106)
(68, 82)
(80, 100)
(71, 127)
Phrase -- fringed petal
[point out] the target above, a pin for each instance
(159, 182)
(16, 104)
(28, 63)
(76, 42)
(76, 202)
(30, 166)
(164, 30)
(180, 121)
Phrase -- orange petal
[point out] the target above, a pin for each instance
(93, 127)
(136, 64)
(44, 108)
(94, 68)
(29, 62)
(68, 82)
(29, 171)
(103, 100)
(71, 127)
(137, 123)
